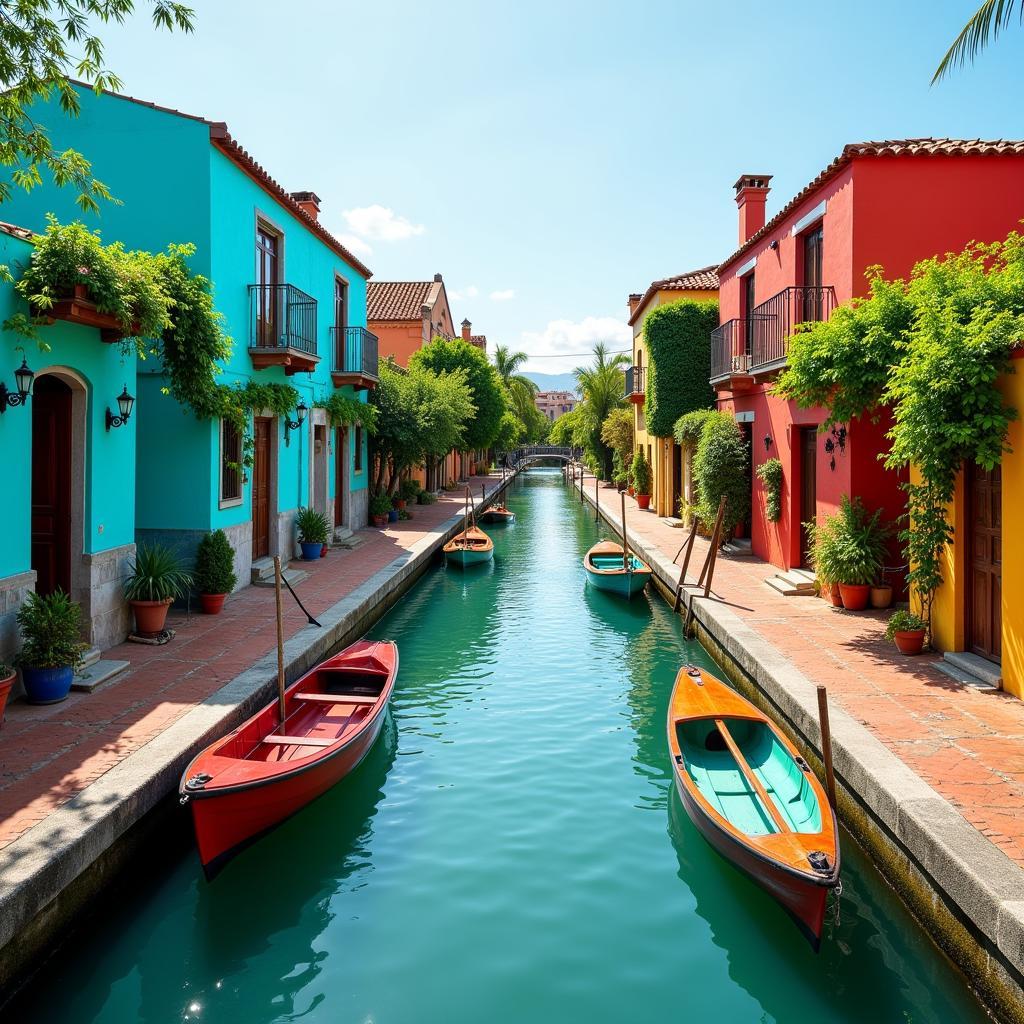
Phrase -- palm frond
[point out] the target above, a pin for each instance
(989, 20)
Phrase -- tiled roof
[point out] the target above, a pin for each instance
(478, 339)
(705, 279)
(396, 300)
(885, 148)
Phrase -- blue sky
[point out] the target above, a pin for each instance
(549, 158)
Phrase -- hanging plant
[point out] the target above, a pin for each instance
(770, 474)
(343, 411)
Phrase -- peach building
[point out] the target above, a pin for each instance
(553, 404)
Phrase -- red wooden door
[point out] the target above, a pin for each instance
(51, 485)
(262, 434)
(984, 562)
(340, 443)
(808, 488)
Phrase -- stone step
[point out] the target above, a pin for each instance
(789, 589)
(341, 534)
(798, 578)
(293, 576)
(988, 672)
(91, 657)
(96, 673)
(738, 547)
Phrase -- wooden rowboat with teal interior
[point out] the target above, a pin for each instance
(471, 547)
(607, 569)
(753, 797)
(497, 515)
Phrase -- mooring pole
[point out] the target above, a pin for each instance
(581, 485)
(597, 503)
(280, 641)
(688, 544)
(625, 543)
(826, 745)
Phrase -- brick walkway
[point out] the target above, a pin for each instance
(49, 754)
(965, 743)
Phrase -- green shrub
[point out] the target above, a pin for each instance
(215, 564)
(770, 474)
(380, 505)
(720, 469)
(156, 575)
(426, 498)
(688, 428)
(678, 338)
(313, 526)
(50, 632)
(849, 545)
(641, 473)
(903, 621)
(409, 490)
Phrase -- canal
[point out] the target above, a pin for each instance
(512, 850)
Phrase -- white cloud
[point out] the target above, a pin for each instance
(356, 245)
(380, 223)
(567, 343)
(458, 294)
(503, 295)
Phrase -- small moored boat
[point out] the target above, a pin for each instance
(609, 568)
(497, 515)
(471, 547)
(271, 766)
(753, 797)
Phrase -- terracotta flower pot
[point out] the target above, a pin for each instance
(150, 616)
(399, 503)
(323, 550)
(5, 691)
(855, 596)
(910, 642)
(211, 604)
(881, 596)
(831, 593)
(630, 492)
(643, 500)
(380, 520)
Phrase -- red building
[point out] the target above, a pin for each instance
(889, 203)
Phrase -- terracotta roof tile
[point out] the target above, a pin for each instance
(396, 300)
(704, 279)
(885, 148)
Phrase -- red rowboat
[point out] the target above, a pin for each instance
(753, 797)
(254, 778)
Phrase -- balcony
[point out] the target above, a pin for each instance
(282, 328)
(636, 385)
(730, 355)
(355, 358)
(773, 322)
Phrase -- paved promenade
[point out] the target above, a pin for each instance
(967, 744)
(50, 754)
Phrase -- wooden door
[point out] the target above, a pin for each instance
(51, 485)
(747, 433)
(808, 488)
(262, 435)
(812, 303)
(984, 562)
(340, 443)
(677, 479)
(266, 278)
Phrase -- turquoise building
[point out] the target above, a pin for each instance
(294, 301)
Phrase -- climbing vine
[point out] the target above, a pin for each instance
(343, 411)
(770, 474)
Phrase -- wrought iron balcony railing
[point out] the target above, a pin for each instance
(730, 348)
(636, 381)
(282, 317)
(355, 352)
(773, 322)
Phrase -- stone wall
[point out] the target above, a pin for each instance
(13, 591)
(104, 610)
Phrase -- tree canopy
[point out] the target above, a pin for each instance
(603, 387)
(520, 396)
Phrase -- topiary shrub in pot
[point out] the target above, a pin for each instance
(7, 677)
(313, 529)
(215, 571)
(51, 646)
(642, 479)
(154, 581)
(907, 631)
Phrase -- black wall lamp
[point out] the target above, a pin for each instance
(125, 404)
(767, 442)
(289, 425)
(23, 377)
(837, 439)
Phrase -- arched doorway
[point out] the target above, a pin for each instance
(51, 484)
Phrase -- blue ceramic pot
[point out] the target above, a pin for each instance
(393, 516)
(47, 685)
(310, 552)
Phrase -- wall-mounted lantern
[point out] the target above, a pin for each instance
(767, 442)
(125, 404)
(300, 418)
(23, 378)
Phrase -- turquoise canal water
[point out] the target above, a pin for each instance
(511, 851)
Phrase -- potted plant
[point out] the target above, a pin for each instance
(380, 506)
(7, 677)
(881, 595)
(824, 555)
(426, 498)
(408, 492)
(860, 541)
(154, 581)
(51, 646)
(313, 528)
(215, 571)
(642, 479)
(907, 631)
(630, 489)
(393, 510)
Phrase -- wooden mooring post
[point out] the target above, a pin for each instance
(708, 570)
(597, 502)
(826, 745)
(688, 544)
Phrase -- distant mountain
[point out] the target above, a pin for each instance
(553, 381)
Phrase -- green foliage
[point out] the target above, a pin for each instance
(569, 430)
(641, 473)
(720, 469)
(617, 433)
(690, 426)
(770, 474)
(511, 432)
(44, 44)
(520, 393)
(51, 630)
(426, 498)
(409, 489)
(380, 504)
(343, 411)
(678, 338)
(603, 387)
(849, 545)
(984, 27)
(156, 575)
(903, 621)
(313, 526)
(443, 357)
(404, 514)
(215, 564)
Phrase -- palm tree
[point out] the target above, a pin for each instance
(602, 386)
(521, 390)
(988, 21)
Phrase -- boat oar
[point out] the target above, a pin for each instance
(280, 639)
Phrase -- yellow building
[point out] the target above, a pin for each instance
(663, 454)
(976, 611)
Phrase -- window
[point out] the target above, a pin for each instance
(340, 322)
(749, 302)
(230, 464)
(812, 304)
(357, 463)
(267, 249)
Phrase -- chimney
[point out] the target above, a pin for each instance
(467, 330)
(634, 301)
(751, 195)
(309, 203)
(438, 278)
